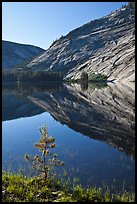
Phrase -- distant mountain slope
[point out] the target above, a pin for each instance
(15, 53)
(105, 45)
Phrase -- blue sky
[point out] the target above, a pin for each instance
(40, 23)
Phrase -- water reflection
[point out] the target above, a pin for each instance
(103, 113)
(15, 103)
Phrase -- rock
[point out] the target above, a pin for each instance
(105, 46)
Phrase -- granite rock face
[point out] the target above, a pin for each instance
(105, 46)
(15, 53)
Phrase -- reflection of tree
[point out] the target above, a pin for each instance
(84, 86)
(31, 88)
(84, 81)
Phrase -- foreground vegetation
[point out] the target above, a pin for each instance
(19, 188)
(45, 187)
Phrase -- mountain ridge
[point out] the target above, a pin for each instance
(104, 45)
(16, 53)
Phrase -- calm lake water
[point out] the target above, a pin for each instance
(93, 128)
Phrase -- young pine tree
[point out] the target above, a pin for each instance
(41, 163)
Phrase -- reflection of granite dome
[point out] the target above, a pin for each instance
(105, 114)
(105, 45)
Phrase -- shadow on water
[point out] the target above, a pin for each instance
(104, 113)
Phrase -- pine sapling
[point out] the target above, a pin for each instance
(41, 163)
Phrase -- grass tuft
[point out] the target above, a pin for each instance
(19, 188)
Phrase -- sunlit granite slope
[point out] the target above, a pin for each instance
(105, 45)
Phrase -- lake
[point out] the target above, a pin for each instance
(94, 130)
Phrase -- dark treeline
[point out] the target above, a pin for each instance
(31, 76)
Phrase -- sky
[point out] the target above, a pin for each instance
(41, 23)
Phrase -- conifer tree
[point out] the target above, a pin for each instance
(41, 163)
